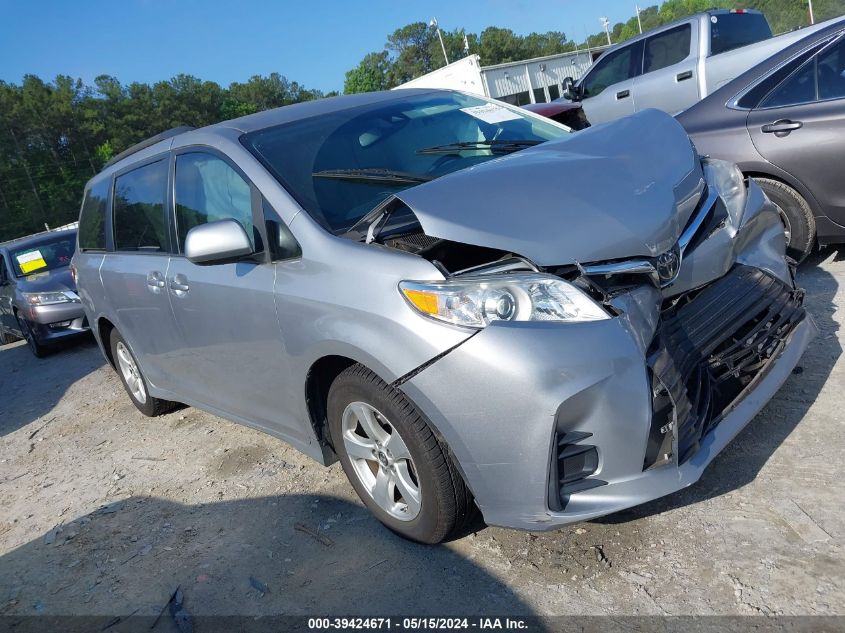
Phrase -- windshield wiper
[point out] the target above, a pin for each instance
(496, 145)
(373, 174)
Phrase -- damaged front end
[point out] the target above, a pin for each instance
(554, 423)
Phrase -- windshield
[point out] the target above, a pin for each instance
(732, 30)
(341, 165)
(45, 256)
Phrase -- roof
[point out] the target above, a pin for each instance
(35, 240)
(267, 118)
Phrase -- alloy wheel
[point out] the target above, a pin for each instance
(130, 372)
(381, 461)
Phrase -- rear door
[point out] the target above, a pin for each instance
(669, 81)
(608, 87)
(134, 273)
(800, 125)
(226, 312)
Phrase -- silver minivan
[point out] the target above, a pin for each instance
(466, 304)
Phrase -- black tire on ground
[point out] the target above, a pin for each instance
(38, 350)
(151, 407)
(447, 506)
(797, 215)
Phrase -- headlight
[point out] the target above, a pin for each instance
(49, 298)
(728, 180)
(478, 301)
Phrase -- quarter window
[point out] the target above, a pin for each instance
(617, 66)
(209, 189)
(822, 77)
(92, 219)
(667, 48)
(139, 220)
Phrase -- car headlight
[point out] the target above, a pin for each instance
(728, 180)
(49, 298)
(478, 301)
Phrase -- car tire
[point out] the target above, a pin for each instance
(796, 214)
(133, 380)
(37, 349)
(442, 506)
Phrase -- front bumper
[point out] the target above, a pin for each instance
(50, 323)
(503, 399)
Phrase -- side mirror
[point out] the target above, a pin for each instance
(570, 91)
(217, 242)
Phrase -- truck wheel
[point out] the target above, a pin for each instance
(796, 215)
(399, 469)
(133, 380)
(38, 350)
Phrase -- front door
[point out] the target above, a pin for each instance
(608, 87)
(226, 312)
(800, 125)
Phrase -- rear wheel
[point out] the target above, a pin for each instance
(800, 227)
(39, 350)
(399, 469)
(133, 380)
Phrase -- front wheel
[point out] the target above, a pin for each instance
(38, 350)
(133, 380)
(399, 469)
(798, 221)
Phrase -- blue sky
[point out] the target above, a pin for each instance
(313, 42)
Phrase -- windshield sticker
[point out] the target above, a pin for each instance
(30, 262)
(491, 113)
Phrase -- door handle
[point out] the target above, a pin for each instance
(623, 94)
(782, 127)
(687, 74)
(155, 281)
(179, 285)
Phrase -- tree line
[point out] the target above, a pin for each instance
(55, 135)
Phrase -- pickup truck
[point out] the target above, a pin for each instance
(672, 67)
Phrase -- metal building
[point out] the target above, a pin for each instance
(535, 80)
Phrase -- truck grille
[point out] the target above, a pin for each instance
(708, 349)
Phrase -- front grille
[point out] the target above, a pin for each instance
(709, 347)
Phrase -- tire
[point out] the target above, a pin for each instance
(797, 216)
(445, 504)
(37, 349)
(139, 392)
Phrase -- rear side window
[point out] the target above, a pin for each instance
(667, 48)
(823, 77)
(92, 219)
(756, 94)
(733, 30)
(207, 190)
(139, 220)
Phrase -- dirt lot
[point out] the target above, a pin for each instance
(105, 511)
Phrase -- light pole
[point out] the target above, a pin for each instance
(640, 23)
(605, 23)
(812, 17)
(442, 45)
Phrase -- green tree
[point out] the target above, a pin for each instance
(370, 75)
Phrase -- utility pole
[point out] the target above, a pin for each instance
(605, 22)
(812, 17)
(442, 45)
(640, 22)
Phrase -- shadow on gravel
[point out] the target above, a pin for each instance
(31, 387)
(291, 554)
(743, 458)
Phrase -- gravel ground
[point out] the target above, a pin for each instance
(104, 511)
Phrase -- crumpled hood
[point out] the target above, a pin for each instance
(621, 189)
(56, 280)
